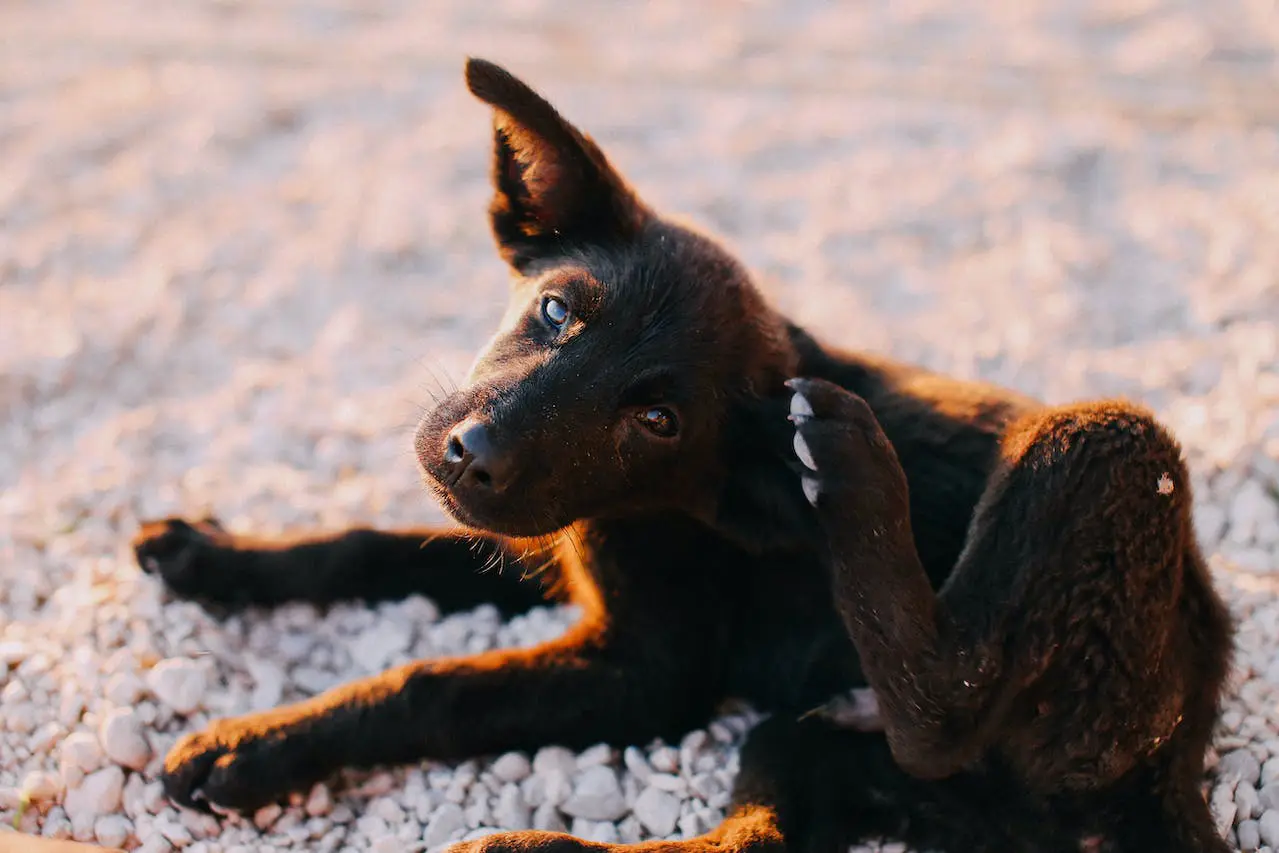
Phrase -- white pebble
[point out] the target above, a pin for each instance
(1268, 796)
(266, 816)
(1248, 834)
(1269, 828)
(122, 739)
(511, 811)
(547, 819)
(512, 767)
(319, 802)
(597, 796)
(97, 794)
(447, 821)
(375, 648)
(552, 758)
(657, 810)
(40, 787)
(178, 683)
(599, 754)
(1240, 764)
(112, 830)
(1248, 801)
(124, 689)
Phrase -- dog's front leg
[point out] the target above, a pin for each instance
(577, 691)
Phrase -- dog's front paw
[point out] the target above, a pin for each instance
(183, 554)
(529, 842)
(840, 443)
(237, 764)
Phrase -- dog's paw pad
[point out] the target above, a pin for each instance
(802, 451)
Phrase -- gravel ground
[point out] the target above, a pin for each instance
(241, 244)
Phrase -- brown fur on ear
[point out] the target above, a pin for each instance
(553, 187)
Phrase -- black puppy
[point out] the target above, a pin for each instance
(1020, 585)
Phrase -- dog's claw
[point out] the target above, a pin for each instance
(811, 489)
(800, 408)
(805, 455)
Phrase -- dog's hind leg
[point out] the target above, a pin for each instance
(1078, 641)
(456, 570)
(807, 786)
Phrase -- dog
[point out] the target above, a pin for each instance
(741, 510)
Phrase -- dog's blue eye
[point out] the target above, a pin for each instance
(554, 311)
(659, 420)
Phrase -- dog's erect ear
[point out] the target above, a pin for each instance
(553, 187)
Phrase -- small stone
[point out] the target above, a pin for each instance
(629, 830)
(56, 825)
(319, 802)
(266, 816)
(387, 844)
(388, 810)
(41, 787)
(664, 760)
(637, 763)
(1249, 835)
(268, 683)
(511, 811)
(13, 652)
(447, 821)
(124, 689)
(1240, 764)
(178, 683)
(1269, 828)
(512, 767)
(1270, 771)
(375, 648)
(1268, 797)
(691, 826)
(550, 758)
(97, 794)
(657, 810)
(597, 755)
(547, 818)
(668, 782)
(1248, 801)
(558, 788)
(112, 830)
(155, 844)
(122, 739)
(597, 796)
(601, 831)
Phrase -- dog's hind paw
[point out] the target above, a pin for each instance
(837, 440)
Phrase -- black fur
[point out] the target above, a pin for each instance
(1020, 585)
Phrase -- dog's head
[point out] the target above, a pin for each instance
(633, 364)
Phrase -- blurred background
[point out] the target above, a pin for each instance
(242, 245)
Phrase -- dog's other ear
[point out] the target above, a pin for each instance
(553, 187)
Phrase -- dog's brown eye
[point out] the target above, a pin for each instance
(659, 420)
(554, 311)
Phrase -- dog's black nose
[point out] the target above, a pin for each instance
(473, 460)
